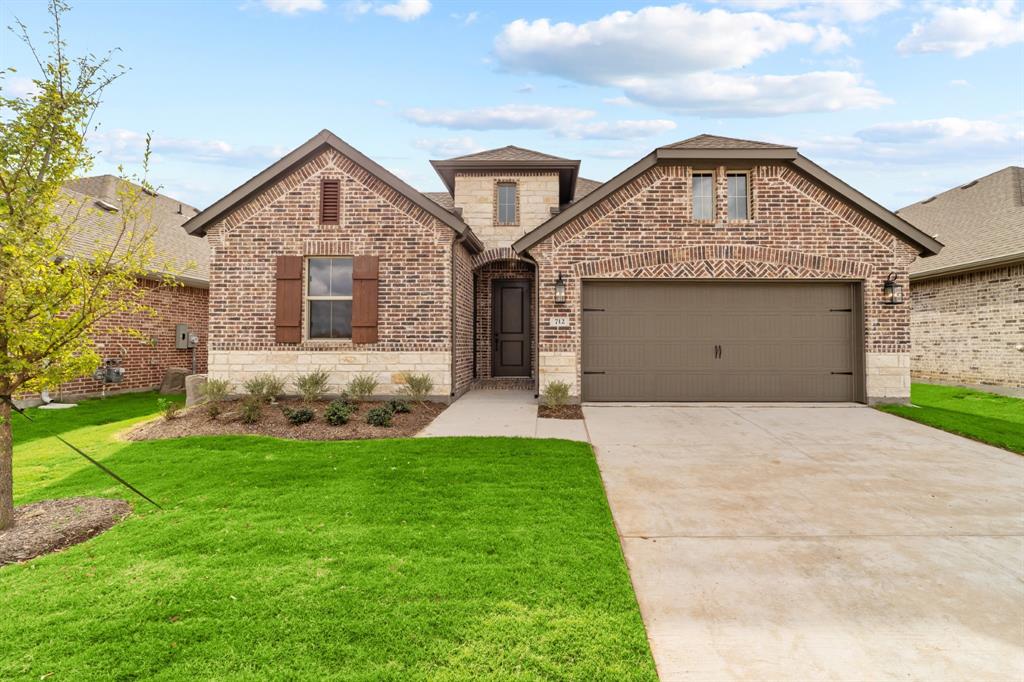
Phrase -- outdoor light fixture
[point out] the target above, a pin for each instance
(892, 293)
(560, 289)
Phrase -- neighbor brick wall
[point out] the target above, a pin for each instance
(796, 230)
(966, 328)
(414, 248)
(485, 277)
(475, 195)
(145, 358)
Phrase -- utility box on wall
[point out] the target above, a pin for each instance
(184, 338)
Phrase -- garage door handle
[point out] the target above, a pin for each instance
(718, 351)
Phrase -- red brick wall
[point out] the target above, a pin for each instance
(463, 321)
(485, 277)
(413, 246)
(145, 359)
(966, 328)
(796, 230)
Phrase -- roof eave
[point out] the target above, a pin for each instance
(973, 266)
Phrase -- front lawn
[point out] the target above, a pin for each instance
(399, 559)
(987, 417)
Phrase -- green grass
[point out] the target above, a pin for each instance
(987, 417)
(433, 559)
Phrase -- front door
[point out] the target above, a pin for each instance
(510, 352)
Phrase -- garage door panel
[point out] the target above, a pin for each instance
(778, 341)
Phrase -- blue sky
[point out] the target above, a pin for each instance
(900, 99)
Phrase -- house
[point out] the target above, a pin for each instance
(93, 203)
(710, 269)
(967, 312)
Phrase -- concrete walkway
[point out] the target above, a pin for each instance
(501, 413)
(814, 543)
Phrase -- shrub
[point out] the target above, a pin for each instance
(169, 407)
(417, 386)
(265, 387)
(361, 387)
(338, 412)
(252, 410)
(312, 386)
(379, 416)
(215, 392)
(555, 393)
(398, 406)
(299, 416)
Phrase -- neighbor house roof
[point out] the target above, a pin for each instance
(713, 147)
(303, 153)
(94, 204)
(981, 223)
(512, 158)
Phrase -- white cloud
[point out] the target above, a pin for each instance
(642, 54)
(618, 130)
(966, 30)
(505, 117)
(448, 146)
(619, 101)
(294, 6)
(959, 83)
(945, 130)
(466, 19)
(404, 10)
(18, 87)
(717, 94)
(127, 146)
(650, 40)
(852, 11)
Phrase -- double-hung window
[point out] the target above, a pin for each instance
(507, 214)
(703, 196)
(329, 298)
(739, 196)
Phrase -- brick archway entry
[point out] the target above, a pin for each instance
(500, 270)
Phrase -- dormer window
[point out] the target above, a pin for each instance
(507, 203)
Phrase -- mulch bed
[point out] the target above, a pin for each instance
(560, 412)
(196, 422)
(51, 525)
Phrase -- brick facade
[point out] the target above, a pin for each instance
(145, 358)
(967, 328)
(796, 230)
(415, 279)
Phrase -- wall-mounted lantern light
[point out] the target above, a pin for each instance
(892, 293)
(560, 289)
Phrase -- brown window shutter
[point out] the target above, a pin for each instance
(288, 314)
(364, 299)
(330, 202)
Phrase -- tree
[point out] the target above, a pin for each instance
(50, 301)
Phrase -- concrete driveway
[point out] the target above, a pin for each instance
(811, 543)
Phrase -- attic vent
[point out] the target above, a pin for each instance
(972, 183)
(109, 208)
(330, 201)
(149, 191)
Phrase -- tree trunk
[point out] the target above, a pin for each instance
(6, 467)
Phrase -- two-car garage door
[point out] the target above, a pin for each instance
(721, 341)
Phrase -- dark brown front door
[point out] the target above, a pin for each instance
(510, 352)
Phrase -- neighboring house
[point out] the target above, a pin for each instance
(967, 319)
(94, 204)
(711, 269)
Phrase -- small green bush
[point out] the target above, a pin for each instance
(312, 386)
(252, 410)
(361, 387)
(398, 406)
(379, 416)
(169, 407)
(215, 392)
(299, 416)
(265, 387)
(417, 386)
(338, 412)
(555, 393)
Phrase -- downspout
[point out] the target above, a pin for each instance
(457, 241)
(536, 319)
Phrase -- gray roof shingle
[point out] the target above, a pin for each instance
(177, 252)
(508, 153)
(706, 141)
(979, 222)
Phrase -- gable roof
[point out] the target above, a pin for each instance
(178, 253)
(711, 147)
(980, 222)
(508, 159)
(304, 152)
(508, 153)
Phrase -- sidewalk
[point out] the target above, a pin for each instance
(501, 413)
